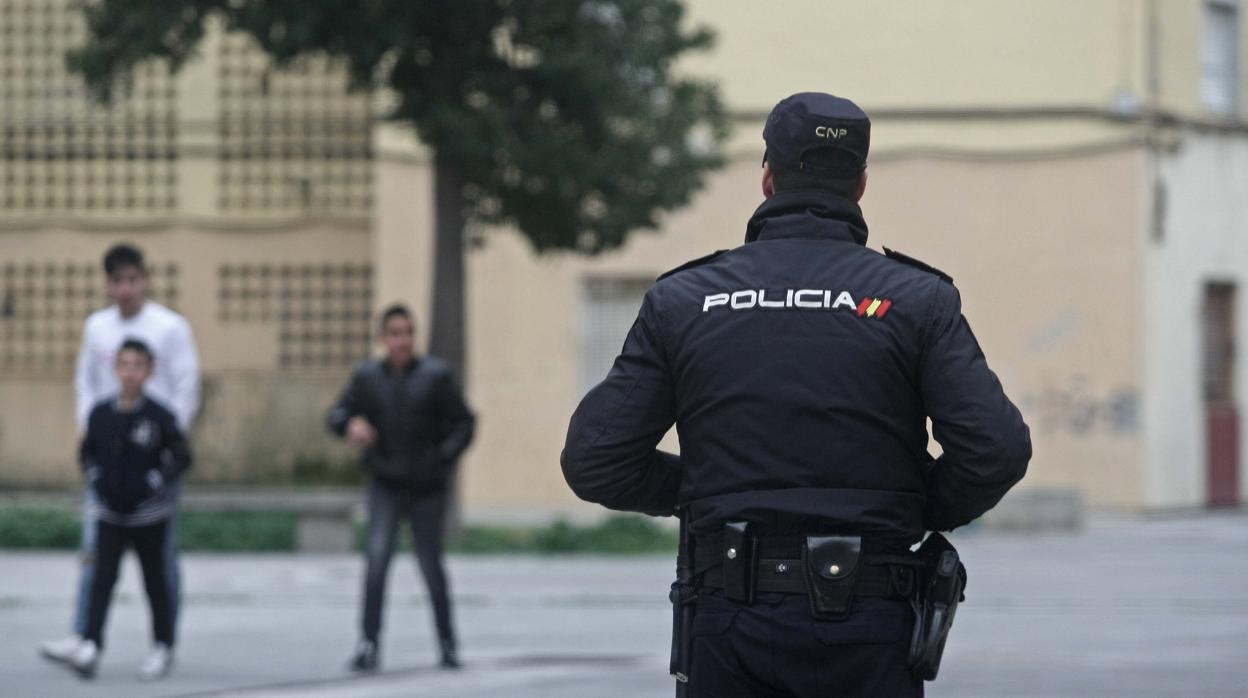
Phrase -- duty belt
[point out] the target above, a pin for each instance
(830, 569)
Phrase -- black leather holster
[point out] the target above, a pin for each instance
(940, 589)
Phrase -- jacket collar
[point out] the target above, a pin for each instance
(406, 370)
(807, 214)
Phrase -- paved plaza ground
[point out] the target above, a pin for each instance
(1127, 607)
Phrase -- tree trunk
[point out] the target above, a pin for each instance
(447, 330)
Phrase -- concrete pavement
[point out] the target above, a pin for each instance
(1129, 607)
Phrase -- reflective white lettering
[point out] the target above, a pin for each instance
(739, 304)
(764, 303)
(846, 300)
(817, 303)
(713, 300)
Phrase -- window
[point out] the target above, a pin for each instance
(609, 309)
(1218, 328)
(1219, 58)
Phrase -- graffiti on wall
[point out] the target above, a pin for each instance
(1078, 408)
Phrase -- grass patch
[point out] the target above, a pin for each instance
(237, 531)
(274, 531)
(56, 528)
(620, 534)
(31, 527)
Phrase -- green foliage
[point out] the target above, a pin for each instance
(564, 117)
(273, 531)
(237, 531)
(38, 527)
(31, 527)
(317, 469)
(620, 534)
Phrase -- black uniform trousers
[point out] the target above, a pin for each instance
(775, 647)
(149, 543)
(426, 513)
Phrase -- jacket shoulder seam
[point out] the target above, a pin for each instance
(917, 264)
(691, 264)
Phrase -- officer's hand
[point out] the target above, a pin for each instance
(360, 432)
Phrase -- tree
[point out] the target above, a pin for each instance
(560, 117)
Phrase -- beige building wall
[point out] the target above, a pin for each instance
(1203, 239)
(1006, 150)
(263, 402)
(250, 189)
(1045, 254)
(928, 55)
(1010, 147)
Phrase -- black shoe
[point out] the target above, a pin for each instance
(450, 658)
(365, 659)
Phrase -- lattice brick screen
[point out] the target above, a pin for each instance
(43, 305)
(323, 312)
(292, 140)
(61, 152)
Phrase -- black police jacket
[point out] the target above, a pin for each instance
(422, 422)
(799, 370)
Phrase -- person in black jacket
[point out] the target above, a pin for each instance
(132, 449)
(800, 370)
(408, 415)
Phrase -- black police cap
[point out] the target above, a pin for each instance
(810, 121)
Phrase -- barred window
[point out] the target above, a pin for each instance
(43, 305)
(292, 140)
(60, 151)
(610, 306)
(323, 312)
(1219, 56)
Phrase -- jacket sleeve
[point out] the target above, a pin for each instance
(610, 456)
(456, 421)
(349, 404)
(986, 443)
(87, 457)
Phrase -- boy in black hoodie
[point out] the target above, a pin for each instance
(131, 450)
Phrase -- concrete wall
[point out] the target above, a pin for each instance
(256, 417)
(1204, 238)
(1047, 254)
(905, 54)
(1178, 38)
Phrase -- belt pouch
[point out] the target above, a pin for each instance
(831, 567)
(740, 562)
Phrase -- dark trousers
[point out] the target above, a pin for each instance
(149, 543)
(776, 648)
(425, 512)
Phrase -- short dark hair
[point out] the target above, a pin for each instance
(396, 310)
(816, 173)
(121, 256)
(137, 345)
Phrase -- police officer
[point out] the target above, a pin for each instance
(800, 369)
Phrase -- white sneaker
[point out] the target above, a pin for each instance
(157, 663)
(59, 650)
(85, 659)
